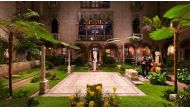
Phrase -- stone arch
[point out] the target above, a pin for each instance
(111, 49)
(144, 49)
(99, 49)
(129, 50)
(82, 52)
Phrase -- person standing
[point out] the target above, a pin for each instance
(143, 66)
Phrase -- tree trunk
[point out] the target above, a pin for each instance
(175, 61)
(10, 62)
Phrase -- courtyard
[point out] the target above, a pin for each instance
(78, 81)
(94, 54)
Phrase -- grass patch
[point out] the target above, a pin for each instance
(32, 88)
(153, 99)
(53, 101)
(80, 69)
(17, 102)
(110, 69)
(22, 75)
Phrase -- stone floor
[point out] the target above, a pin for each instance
(78, 81)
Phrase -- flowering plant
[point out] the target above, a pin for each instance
(95, 98)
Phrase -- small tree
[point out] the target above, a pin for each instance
(180, 17)
(27, 25)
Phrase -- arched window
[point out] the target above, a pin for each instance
(136, 25)
(54, 26)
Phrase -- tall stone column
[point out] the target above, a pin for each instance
(43, 81)
(69, 60)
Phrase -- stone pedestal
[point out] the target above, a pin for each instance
(94, 66)
(132, 74)
(43, 87)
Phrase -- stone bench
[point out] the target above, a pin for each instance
(132, 74)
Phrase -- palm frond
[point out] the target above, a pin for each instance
(157, 22)
(113, 40)
(163, 33)
(147, 21)
(179, 12)
(32, 28)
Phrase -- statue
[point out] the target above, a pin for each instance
(94, 60)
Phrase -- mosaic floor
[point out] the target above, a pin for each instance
(78, 81)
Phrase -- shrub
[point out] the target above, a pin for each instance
(108, 60)
(49, 65)
(183, 98)
(94, 93)
(35, 79)
(184, 64)
(56, 60)
(169, 63)
(184, 77)
(94, 98)
(32, 102)
(138, 69)
(157, 78)
(79, 61)
(48, 74)
(167, 93)
(21, 93)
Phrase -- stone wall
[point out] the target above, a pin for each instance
(18, 66)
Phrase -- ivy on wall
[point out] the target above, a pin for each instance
(3, 46)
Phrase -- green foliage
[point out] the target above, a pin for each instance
(156, 22)
(178, 13)
(32, 102)
(21, 93)
(147, 21)
(169, 64)
(167, 93)
(184, 64)
(35, 79)
(163, 33)
(79, 61)
(48, 74)
(3, 46)
(4, 91)
(56, 60)
(157, 78)
(94, 93)
(49, 65)
(108, 60)
(183, 76)
(94, 98)
(138, 69)
(183, 98)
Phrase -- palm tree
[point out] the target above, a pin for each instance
(152, 25)
(134, 39)
(23, 24)
(179, 16)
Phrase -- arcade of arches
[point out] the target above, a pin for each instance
(111, 49)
